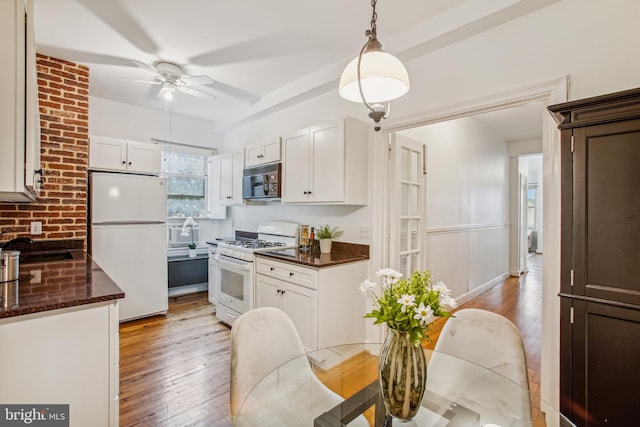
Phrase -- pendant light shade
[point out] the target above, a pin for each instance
(374, 76)
(382, 78)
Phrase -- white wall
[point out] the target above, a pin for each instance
(347, 218)
(118, 120)
(467, 197)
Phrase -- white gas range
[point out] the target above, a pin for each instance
(234, 265)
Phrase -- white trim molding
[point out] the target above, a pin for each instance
(466, 228)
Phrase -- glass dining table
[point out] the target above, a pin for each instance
(459, 393)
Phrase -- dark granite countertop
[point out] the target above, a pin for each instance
(315, 258)
(51, 285)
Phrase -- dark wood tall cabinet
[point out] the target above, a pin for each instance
(600, 260)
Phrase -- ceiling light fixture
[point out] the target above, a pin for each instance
(374, 76)
(168, 87)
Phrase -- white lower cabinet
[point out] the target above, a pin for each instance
(298, 302)
(67, 356)
(323, 303)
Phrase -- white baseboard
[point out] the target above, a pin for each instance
(481, 289)
(188, 289)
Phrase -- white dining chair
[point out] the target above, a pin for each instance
(490, 341)
(262, 340)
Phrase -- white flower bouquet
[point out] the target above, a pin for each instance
(408, 305)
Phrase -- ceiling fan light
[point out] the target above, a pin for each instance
(168, 94)
(383, 78)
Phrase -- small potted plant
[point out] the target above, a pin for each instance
(187, 229)
(326, 235)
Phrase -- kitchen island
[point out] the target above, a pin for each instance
(59, 337)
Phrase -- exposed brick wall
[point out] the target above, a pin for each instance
(63, 90)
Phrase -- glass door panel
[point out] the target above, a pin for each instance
(407, 205)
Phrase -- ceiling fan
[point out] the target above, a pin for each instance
(171, 77)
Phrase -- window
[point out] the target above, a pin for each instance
(186, 172)
(531, 207)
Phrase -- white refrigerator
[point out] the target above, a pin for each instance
(129, 238)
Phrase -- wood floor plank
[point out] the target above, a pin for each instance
(174, 369)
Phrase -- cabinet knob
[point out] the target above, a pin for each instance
(129, 163)
(306, 192)
(291, 274)
(272, 268)
(283, 292)
(124, 163)
(278, 291)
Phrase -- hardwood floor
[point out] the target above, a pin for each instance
(174, 370)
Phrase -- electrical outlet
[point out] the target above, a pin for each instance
(36, 227)
(364, 232)
(36, 276)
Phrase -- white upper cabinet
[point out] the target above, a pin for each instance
(215, 209)
(229, 177)
(262, 153)
(20, 172)
(327, 164)
(113, 154)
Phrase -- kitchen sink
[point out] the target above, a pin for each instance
(35, 257)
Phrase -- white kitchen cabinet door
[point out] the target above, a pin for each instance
(297, 160)
(327, 164)
(144, 157)
(19, 114)
(327, 172)
(231, 166)
(262, 153)
(109, 154)
(252, 155)
(215, 209)
(268, 292)
(298, 302)
(119, 155)
(301, 305)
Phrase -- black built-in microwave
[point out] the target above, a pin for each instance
(262, 182)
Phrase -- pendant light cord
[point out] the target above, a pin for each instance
(376, 111)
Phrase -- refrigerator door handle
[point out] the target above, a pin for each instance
(128, 223)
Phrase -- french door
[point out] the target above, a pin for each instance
(407, 204)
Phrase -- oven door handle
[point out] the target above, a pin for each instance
(232, 265)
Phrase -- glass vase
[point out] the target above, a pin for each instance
(402, 374)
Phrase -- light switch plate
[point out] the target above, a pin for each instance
(36, 228)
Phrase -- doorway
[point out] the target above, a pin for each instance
(550, 92)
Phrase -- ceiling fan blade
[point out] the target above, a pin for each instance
(196, 80)
(151, 82)
(197, 93)
(144, 66)
(280, 44)
(83, 57)
(118, 18)
(155, 92)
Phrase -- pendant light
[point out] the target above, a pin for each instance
(374, 76)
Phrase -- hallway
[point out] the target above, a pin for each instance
(519, 299)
